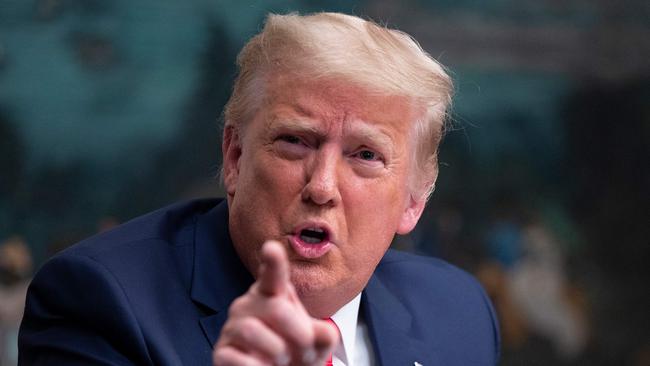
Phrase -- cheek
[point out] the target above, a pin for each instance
(373, 215)
(377, 203)
(271, 178)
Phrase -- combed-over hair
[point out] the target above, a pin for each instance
(332, 45)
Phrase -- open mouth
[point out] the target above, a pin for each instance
(313, 235)
(311, 240)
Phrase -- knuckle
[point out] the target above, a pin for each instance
(279, 311)
(239, 306)
(220, 357)
(294, 326)
(306, 338)
(247, 328)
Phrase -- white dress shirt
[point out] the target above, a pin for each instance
(355, 348)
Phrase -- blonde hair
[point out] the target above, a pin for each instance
(332, 45)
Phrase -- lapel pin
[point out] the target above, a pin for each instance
(417, 363)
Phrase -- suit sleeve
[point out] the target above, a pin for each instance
(77, 314)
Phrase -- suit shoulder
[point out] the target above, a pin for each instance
(408, 266)
(73, 297)
(434, 289)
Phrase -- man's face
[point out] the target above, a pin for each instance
(324, 168)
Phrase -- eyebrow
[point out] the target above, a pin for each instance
(358, 129)
(364, 130)
(295, 124)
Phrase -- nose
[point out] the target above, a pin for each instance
(321, 186)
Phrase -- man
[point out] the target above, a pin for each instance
(329, 149)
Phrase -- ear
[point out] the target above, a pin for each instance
(417, 201)
(411, 214)
(231, 150)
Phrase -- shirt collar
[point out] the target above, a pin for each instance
(346, 320)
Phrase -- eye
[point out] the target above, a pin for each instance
(368, 155)
(290, 139)
(290, 146)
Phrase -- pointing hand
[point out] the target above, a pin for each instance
(268, 325)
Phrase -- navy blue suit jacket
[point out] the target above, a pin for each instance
(156, 291)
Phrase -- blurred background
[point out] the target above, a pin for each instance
(110, 109)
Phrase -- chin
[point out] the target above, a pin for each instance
(310, 279)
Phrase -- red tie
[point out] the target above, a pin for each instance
(329, 360)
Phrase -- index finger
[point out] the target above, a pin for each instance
(273, 276)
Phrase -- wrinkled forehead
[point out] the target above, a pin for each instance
(340, 100)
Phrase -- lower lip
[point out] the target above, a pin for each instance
(307, 250)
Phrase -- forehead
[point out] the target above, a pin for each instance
(359, 109)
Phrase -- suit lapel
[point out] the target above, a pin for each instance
(218, 275)
(390, 326)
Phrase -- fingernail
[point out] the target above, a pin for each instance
(283, 360)
(309, 356)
